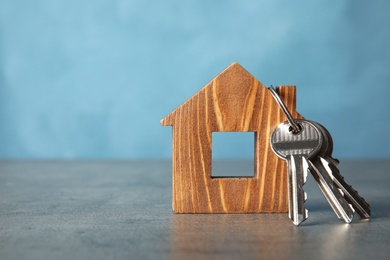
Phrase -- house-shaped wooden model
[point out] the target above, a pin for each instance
(234, 101)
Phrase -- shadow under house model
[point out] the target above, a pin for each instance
(234, 101)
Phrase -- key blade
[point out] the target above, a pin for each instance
(324, 180)
(297, 173)
(350, 194)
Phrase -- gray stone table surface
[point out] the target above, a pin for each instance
(122, 210)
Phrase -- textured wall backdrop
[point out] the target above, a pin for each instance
(92, 79)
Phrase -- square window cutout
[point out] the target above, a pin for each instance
(233, 154)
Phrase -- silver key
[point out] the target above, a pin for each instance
(329, 166)
(297, 149)
(324, 180)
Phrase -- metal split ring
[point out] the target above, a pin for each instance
(294, 126)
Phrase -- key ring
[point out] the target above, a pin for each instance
(295, 127)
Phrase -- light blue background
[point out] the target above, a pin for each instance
(92, 79)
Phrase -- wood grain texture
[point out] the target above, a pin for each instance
(234, 101)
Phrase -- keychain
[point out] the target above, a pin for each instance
(307, 146)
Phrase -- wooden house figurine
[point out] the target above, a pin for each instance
(234, 101)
